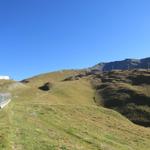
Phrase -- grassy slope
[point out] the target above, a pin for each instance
(128, 92)
(65, 118)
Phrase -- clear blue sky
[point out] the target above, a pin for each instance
(39, 36)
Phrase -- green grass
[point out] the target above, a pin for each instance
(35, 126)
(65, 118)
(123, 95)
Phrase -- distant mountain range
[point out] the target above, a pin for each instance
(126, 64)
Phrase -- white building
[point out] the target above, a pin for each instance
(4, 78)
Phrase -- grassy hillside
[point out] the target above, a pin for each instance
(65, 117)
(128, 92)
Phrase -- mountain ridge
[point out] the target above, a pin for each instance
(77, 109)
(125, 64)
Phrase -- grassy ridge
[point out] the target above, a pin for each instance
(65, 118)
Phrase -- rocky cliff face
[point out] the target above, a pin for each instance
(123, 65)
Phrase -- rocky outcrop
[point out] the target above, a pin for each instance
(126, 64)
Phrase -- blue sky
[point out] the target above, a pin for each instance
(39, 36)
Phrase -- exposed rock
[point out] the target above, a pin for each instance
(126, 64)
(25, 81)
(46, 87)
